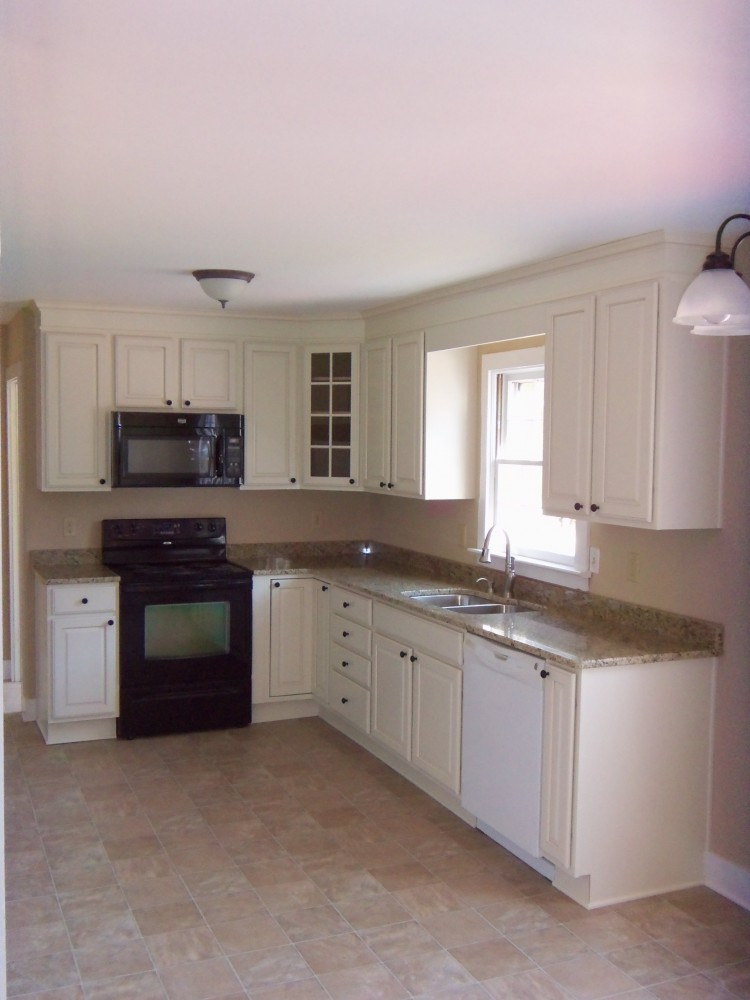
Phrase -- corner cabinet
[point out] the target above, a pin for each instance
(625, 778)
(418, 419)
(271, 459)
(75, 406)
(633, 412)
(331, 417)
(77, 686)
(177, 373)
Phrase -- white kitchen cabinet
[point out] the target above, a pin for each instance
(436, 723)
(75, 405)
(292, 636)
(331, 417)
(77, 654)
(176, 373)
(271, 456)
(350, 647)
(390, 722)
(625, 781)
(416, 692)
(558, 745)
(633, 412)
(419, 419)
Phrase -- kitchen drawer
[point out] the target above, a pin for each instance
(351, 606)
(68, 599)
(351, 635)
(350, 664)
(439, 640)
(350, 700)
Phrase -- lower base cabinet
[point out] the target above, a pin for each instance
(625, 780)
(77, 650)
(436, 715)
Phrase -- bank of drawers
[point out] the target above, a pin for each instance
(351, 641)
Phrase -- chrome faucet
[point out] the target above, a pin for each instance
(510, 562)
(490, 585)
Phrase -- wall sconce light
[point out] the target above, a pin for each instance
(223, 285)
(717, 301)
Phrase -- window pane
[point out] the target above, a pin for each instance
(320, 367)
(522, 419)
(519, 511)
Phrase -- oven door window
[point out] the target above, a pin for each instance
(186, 631)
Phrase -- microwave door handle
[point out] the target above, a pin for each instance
(220, 445)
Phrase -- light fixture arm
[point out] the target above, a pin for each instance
(719, 258)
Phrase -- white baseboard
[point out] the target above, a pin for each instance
(728, 879)
(11, 697)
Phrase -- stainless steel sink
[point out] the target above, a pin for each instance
(466, 604)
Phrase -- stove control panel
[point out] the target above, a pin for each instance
(155, 529)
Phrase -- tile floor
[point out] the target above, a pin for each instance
(283, 862)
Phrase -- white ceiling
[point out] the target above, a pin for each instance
(351, 152)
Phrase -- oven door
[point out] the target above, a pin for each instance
(185, 656)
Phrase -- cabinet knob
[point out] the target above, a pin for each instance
(344, 663)
(345, 634)
(111, 621)
(344, 701)
(277, 584)
(391, 485)
(345, 604)
(324, 587)
(544, 673)
(595, 506)
(293, 480)
(413, 659)
(403, 653)
(382, 486)
(187, 402)
(169, 402)
(352, 481)
(102, 482)
(84, 600)
(577, 506)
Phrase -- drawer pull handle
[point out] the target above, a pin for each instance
(84, 600)
(500, 656)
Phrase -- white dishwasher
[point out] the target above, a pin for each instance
(501, 753)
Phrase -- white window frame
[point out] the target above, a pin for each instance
(576, 576)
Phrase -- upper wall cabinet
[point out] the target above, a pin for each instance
(271, 459)
(75, 401)
(154, 373)
(633, 412)
(331, 417)
(419, 419)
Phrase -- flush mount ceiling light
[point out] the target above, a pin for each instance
(717, 302)
(223, 285)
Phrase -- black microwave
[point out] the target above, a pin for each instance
(177, 449)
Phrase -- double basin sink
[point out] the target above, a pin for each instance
(466, 603)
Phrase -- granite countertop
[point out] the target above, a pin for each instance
(567, 632)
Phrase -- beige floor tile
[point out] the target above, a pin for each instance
(605, 931)
(42, 972)
(650, 963)
(403, 876)
(306, 989)
(332, 954)
(371, 982)
(399, 941)
(430, 972)
(106, 961)
(459, 927)
(735, 978)
(221, 907)
(249, 934)
(180, 947)
(291, 895)
(308, 923)
(270, 967)
(516, 915)
(695, 987)
(488, 959)
(590, 977)
(534, 984)
(373, 911)
(167, 917)
(548, 944)
(425, 900)
(144, 986)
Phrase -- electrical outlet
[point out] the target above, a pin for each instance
(69, 526)
(594, 556)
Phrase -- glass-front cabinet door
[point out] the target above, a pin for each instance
(332, 412)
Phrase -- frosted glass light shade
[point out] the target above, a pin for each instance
(725, 330)
(223, 285)
(717, 297)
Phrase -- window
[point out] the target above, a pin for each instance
(548, 548)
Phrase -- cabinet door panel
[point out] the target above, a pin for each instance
(568, 400)
(76, 400)
(558, 745)
(407, 414)
(436, 737)
(84, 667)
(376, 411)
(291, 637)
(146, 372)
(391, 695)
(322, 640)
(209, 375)
(270, 408)
(624, 402)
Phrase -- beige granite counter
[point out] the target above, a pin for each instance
(568, 627)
